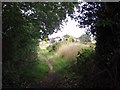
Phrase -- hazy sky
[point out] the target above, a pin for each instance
(70, 29)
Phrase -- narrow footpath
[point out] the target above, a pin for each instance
(53, 79)
(50, 81)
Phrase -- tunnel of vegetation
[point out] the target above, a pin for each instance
(25, 23)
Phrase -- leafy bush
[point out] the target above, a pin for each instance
(85, 38)
(21, 33)
(53, 47)
(84, 65)
(90, 74)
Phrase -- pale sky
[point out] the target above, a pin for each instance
(70, 29)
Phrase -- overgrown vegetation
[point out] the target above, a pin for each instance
(53, 47)
(69, 50)
(77, 71)
(39, 70)
(104, 22)
(24, 23)
(81, 65)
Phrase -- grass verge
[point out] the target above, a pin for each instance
(37, 72)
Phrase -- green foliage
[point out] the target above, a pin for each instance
(46, 40)
(103, 19)
(83, 67)
(85, 38)
(60, 65)
(21, 33)
(53, 47)
(70, 38)
(84, 55)
(37, 72)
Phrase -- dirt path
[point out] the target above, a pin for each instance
(49, 60)
(50, 81)
(53, 79)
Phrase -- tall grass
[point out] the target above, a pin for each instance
(70, 50)
(59, 64)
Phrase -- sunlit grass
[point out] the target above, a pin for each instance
(64, 56)
(64, 67)
(45, 52)
(60, 64)
(39, 70)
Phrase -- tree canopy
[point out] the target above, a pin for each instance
(46, 17)
(24, 23)
(85, 38)
(102, 20)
